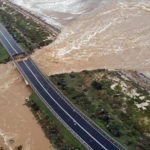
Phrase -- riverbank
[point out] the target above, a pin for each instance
(4, 56)
(25, 30)
(17, 122)
(113, 100)
(51, 29)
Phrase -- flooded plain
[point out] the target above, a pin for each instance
(112, 34)
(115, 35)
(17, 124)
(58, 12)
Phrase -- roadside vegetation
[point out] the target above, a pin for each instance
(4, 56)
(26, 32)
(112, 101)
(117, 105)
(16, 148)
(61, 138)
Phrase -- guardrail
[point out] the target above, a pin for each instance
(102, 132)
(80, 113)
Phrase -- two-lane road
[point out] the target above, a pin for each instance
(9, 43)
(71, 118)
(66, 113)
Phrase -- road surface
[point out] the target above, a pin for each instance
(9, 43)
(71, 118)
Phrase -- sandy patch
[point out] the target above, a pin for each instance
(143, 105)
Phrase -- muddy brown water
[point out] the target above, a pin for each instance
(114, 35)
(17, 123)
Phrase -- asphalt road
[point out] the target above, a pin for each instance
(9, 43)
(71, 118)
(69, 115)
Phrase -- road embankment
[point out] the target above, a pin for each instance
(53, 30)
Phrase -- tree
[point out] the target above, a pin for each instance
(114, 128)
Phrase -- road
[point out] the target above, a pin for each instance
(9, 43)
(71, 118)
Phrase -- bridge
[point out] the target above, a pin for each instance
(79, 125)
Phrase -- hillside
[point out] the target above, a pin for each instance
(113, 101)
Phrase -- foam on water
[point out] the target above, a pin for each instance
(97, 28)
(7, 137)
(58, 12)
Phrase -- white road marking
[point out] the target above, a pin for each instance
(63, 108)
(54, 100)
(8, 42)
(54, 110)
(80, 115)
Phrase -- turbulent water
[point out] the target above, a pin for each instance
(113, 34)
(58, 12)
(98, 33)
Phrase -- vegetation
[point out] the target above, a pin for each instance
(111, 102)
(4, 56)
(108, 99)
(19, 147)
(26, 32)
(54, 130)
(16, 148)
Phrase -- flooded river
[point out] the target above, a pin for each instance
(113, 34)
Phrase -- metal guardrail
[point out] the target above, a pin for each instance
(50, 108)
(102, 132)
(97, 128)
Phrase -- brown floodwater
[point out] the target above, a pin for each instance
(113, 35)
(17, 124)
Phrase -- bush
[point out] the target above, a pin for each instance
(109, 91)
(114, 128)
(104, 117)
(96, 85)
(118, 88)
(19, 147)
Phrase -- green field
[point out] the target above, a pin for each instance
(4, 56)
